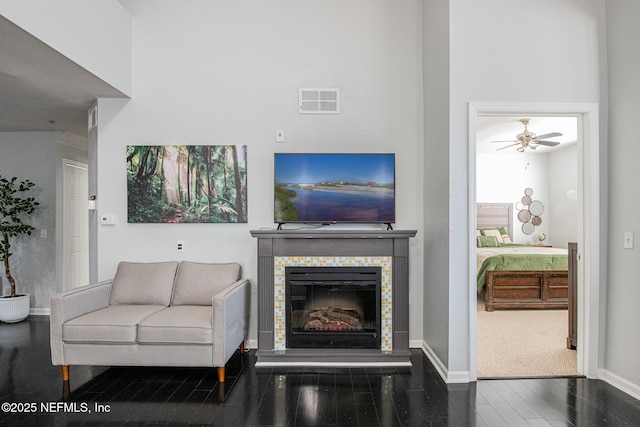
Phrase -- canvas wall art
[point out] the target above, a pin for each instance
(187, 183)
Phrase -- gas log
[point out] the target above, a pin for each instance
(332, 319)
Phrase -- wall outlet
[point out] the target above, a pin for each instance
(279, 136)
(180, 246)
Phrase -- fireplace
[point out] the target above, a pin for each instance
(370, 267)
(333, 307)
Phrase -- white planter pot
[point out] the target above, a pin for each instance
(14, 309)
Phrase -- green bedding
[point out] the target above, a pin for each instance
(521, 262)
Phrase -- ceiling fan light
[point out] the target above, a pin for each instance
(527, 139)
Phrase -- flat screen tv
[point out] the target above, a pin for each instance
(334, 188)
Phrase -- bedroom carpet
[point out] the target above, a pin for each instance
(523, 344)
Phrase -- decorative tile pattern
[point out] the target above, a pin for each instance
(279, 303)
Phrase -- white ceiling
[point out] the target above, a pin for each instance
(42, 90)
(505, 128)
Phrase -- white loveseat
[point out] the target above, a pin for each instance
(153, 314)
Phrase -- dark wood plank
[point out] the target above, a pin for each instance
(300, 396)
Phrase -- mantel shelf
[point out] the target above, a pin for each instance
(333, 234)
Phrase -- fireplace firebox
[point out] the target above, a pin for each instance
(333, 307)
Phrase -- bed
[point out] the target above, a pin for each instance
(517, 276)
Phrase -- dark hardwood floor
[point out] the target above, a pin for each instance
(31, 393)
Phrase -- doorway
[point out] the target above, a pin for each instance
(588, 221)
(75, 225)
(525, 191)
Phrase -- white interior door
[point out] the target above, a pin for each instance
(75, 225)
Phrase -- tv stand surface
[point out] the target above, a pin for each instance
(326, 224)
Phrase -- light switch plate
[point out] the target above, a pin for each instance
(628, 239)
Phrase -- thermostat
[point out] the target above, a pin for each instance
(107, 219)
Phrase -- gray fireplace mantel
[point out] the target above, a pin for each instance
(333, 243)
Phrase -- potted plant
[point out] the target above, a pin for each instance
(541, 239)
(14, 206)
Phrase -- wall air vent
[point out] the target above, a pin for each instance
(319, 101)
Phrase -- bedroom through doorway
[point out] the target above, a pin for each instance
(526, 167)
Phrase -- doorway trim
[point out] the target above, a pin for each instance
(68, 164)
(591, 297)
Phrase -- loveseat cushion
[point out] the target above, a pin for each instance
(197, 283)
(185, 324)
(143, 283)
(115, 324)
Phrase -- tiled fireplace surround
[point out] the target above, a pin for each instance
(278, 249)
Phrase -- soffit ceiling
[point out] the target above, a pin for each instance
(42, 90)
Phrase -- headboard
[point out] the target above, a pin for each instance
(494, 215)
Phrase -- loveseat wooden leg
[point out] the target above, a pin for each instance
(242, 347)
(65, 372)
(221, 374)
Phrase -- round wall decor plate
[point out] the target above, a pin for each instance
(536, 208)
(524, 216)
(528, 228)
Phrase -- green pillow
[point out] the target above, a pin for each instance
(487, 242)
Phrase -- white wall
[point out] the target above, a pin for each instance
(36, 156)
(435, 184)
(493, 60)
(562, 205)
(622, 364)
(502, 178)
(96, 34)
(229, 73)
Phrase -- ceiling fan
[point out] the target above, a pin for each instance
(528, 139)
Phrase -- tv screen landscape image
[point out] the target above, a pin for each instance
(334, 188)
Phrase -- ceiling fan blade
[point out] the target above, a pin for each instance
(507, 146)
(508, 140)
(548, 143)
(549, 135)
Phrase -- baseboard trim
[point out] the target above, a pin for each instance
(415, 344)
(435, 360)
(40, 312)
(620, 383)
(450, 377)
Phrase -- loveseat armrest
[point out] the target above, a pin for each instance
(231, 308)
(71, 304)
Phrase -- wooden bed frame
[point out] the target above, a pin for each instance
(511, 289)
(539, 289)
